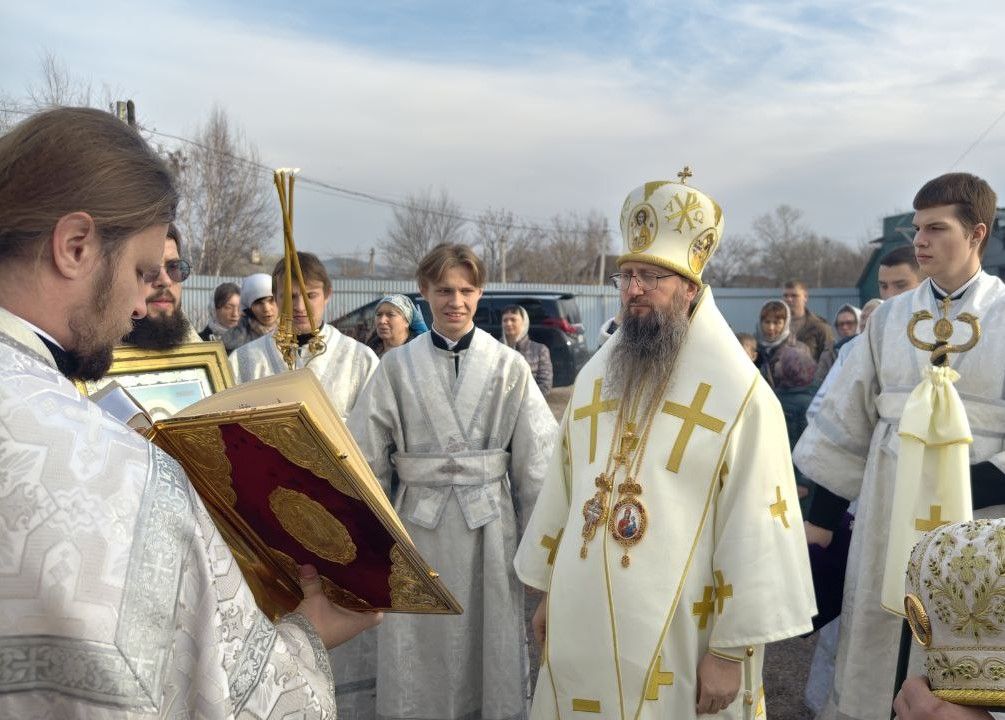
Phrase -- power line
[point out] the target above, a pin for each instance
(978, 141)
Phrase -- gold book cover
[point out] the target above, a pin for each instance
(286, 484)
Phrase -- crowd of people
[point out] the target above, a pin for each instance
(658, 523)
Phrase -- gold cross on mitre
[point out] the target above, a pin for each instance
(593, 411)
(685, 174)
(285, 335)
(933, 521)
(693, 417)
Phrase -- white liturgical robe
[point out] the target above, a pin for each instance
(469, 451)
(343, 368)
(118, 597)
(721, 565)
(851, 448)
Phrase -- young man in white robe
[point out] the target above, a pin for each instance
(850, 448)
(667, 535)
(456, 417)
(118, 596)
(343, 368)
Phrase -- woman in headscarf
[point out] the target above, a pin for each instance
(773, 333)
(397, 321)
(224, 313)
(846, 324)
(515, 326)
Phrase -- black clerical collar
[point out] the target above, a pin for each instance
(941, 294)
(441, 342)
(304, 338)
(64, 362)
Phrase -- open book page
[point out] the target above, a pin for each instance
(297, 386)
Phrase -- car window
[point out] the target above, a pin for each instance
(570, 309)
(483, 314)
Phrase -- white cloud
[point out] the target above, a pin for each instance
(841, 110)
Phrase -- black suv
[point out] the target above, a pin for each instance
(554, 321)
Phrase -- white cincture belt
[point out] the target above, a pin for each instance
(986, 417)
(472, 476)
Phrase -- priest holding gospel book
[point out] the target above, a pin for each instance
(457, 415)
(119, 596)
(345, 365)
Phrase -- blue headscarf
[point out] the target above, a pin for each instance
(412, 316)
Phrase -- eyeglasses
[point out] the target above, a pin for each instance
(646, 280)
(177, 270)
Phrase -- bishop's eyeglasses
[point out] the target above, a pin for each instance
(647, 280)
(177, 270)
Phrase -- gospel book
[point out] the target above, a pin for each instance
(287, 485)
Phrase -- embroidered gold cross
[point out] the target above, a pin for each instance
(934, 519)
(692, 416)
(593, 411)
(723, 592)
(704, 608)
(685, 174)
(780, 507)
(551, 545)
(656, 679)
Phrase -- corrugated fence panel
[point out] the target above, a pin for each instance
(740, 306)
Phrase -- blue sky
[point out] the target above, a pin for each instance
(842, 109)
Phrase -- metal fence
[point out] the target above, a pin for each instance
(740, 306)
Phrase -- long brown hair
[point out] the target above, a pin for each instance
(69, 160)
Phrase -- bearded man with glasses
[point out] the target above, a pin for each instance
(666, 537)
(165, 325)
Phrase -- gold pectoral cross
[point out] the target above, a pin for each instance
(592, 411)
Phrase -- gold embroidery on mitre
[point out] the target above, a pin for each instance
(700, 250)
(407, 590)
(657, 679)
(917, 618)
(642, 228)
(688, 211)
(312, 526)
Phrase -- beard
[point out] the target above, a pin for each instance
(92, 332)
(160, 333)
(645, 354)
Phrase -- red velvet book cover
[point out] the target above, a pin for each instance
(283, 494)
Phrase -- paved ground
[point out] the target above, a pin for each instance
(786, 663)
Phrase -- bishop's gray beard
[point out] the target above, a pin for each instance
(645, 353)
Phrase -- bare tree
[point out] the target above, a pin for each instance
(227, 209)
(733, 262)
(571, 250)
(504, 243)
(426, 220)
(58, 86)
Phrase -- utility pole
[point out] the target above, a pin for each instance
(372, 265)
(126, 112)
(502, 259)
